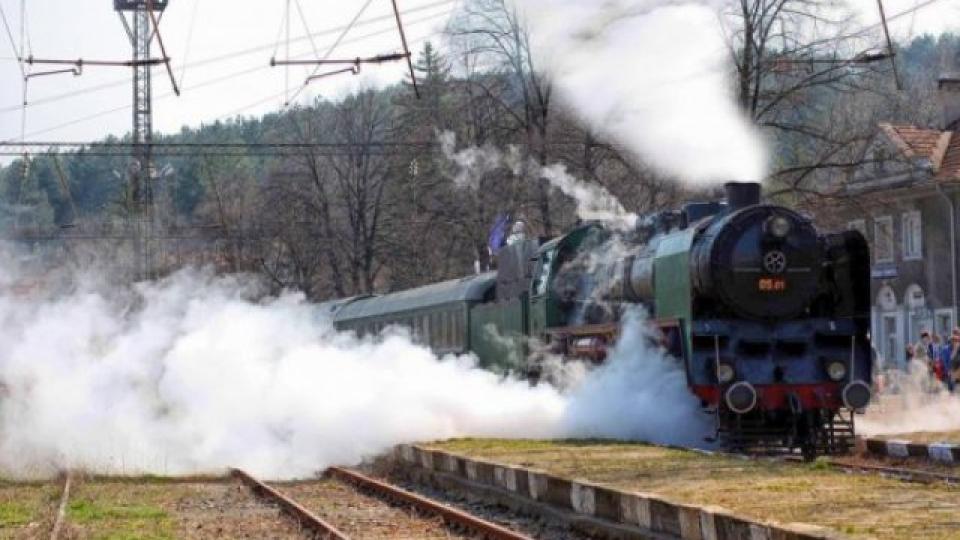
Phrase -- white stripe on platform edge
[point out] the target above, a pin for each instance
(941, 452)
(898, 448)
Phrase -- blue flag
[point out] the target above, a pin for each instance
(498, 233)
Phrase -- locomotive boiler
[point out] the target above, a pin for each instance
(767, 316)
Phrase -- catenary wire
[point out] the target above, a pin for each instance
(186, 51)
(13, 42)
(233, 75)
(220, 58)
(332, 48)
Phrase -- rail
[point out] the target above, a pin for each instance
(450, 515)
(306, 518)
(906, 475)
(62, 507)
(390, 493)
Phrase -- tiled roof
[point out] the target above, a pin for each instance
(940, 148)
(950, 165)
(913, 141)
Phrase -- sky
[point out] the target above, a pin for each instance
(221, 52)
(198, 34)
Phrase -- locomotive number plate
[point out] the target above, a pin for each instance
(772, 284)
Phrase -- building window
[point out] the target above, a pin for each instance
(912, 235)
(883, 239)
(858, 225)
(944, 323)
(880, 158)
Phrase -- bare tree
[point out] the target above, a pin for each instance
(494, 34)
(799, 64)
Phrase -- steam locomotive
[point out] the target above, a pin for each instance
(767, 317)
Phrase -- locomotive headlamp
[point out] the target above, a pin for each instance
(836, 370)
(725, 373)
(778, 226)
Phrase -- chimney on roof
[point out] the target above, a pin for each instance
(948, 91)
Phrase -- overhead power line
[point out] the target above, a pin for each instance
(272, 97)
(13, 42)
(330, 50)
(217, 80)
(238, 53)
(278, 149)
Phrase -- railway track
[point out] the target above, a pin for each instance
(899, 473)
(62, 507)
(850, 464)
(346, 504)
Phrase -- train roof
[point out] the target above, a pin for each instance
(466, 289)
(329, 309)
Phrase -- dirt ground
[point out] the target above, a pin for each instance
(859, 505)
(925, 437)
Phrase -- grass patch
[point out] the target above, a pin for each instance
(120, 521)
(864, 506)
(13, 513)
(85, 511)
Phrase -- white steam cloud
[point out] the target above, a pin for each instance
(594, 202)
(911, 402)
(638, 394)
(192, 374)
(653, 75)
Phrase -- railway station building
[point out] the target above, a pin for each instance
(905, 199)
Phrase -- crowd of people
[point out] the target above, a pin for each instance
(942, 358)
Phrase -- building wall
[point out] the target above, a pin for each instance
(910, 294)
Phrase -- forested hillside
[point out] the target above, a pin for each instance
(368, 201)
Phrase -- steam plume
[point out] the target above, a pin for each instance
(594, 202)
(626, 69)
(195, 373)
(639, 393)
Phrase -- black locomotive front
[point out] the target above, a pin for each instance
(780, 322)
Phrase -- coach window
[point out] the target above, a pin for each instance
(449, 330)
(442, 320)
(441, 330)
(458, 326)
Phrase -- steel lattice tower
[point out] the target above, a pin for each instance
(140, 31)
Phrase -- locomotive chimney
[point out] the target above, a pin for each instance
(742, 194)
